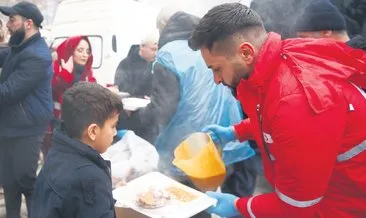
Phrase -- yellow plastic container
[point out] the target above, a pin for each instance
(199, 158)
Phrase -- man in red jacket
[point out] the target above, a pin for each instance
(306, 112)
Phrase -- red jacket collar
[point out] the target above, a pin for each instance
(267, 61)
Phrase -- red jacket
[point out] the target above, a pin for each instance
(301, 104)
(63, 79)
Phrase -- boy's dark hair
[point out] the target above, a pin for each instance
(87, 103)
(223, 21)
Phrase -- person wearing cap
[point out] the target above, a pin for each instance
(321, 19)
(25, 103)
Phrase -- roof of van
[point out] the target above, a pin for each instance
(73, 11)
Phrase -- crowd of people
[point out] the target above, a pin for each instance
(280, 96)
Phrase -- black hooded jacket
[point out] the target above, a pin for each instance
(133, 74)
(357, 41)
(165, 93)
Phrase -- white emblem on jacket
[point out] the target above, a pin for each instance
(267, 138)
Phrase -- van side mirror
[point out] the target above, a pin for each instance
(114, 43)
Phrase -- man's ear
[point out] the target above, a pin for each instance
(28, 24)
(247, 52)
(92, 131)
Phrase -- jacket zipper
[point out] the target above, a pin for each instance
(259, 115)
(22, 108)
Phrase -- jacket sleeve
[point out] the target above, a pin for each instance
(96, 200)
(26, 77)
(243, 130)
(122, 77)
(164, 100)
(61, 80)
(305, 146)
(4, 51)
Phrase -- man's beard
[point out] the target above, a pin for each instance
(17, 37)
(233, 90)
(240, 73)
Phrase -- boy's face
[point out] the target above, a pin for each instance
(100, 138)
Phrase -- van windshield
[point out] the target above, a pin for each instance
(96, 44)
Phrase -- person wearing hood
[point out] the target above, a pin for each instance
(73, 64)
(25, 103)
(321, 19)
(305, 111)
(134, 74)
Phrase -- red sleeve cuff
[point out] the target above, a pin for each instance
(242, 206)
(66, 76)
(243, 130)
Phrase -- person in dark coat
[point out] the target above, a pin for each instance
(75, 181)
(354, 12)
(321, 19)
(134, 74)
(279, 15)
(25, 104)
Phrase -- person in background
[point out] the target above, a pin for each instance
(354, 12)
(25, 104)
(321, 19)
(75, 181)
(183, 98)
(73, 64)
(279, 15)
(133, 73)
(305, 112)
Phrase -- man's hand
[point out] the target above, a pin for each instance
(225, 206)
(69, 65)
(220, 135)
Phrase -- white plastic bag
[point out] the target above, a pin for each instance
(131, 157)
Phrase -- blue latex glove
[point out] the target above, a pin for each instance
(220, 135)
(225, 206)
(121, 133)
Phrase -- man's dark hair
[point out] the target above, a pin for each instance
(87, 103)
(222, 22)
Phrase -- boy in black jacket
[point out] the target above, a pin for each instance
(75, 180)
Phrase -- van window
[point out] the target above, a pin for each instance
(96, 44)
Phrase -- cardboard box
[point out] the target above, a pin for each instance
(122, 212)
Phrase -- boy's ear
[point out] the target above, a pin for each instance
(92, 131)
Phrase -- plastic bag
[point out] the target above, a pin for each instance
(201, 103)
(131, 157)
(199, 158)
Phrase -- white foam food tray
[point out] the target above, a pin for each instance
(124, 94)
(133, 104)
(126, 196)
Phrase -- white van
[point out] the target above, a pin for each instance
(111, 25)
